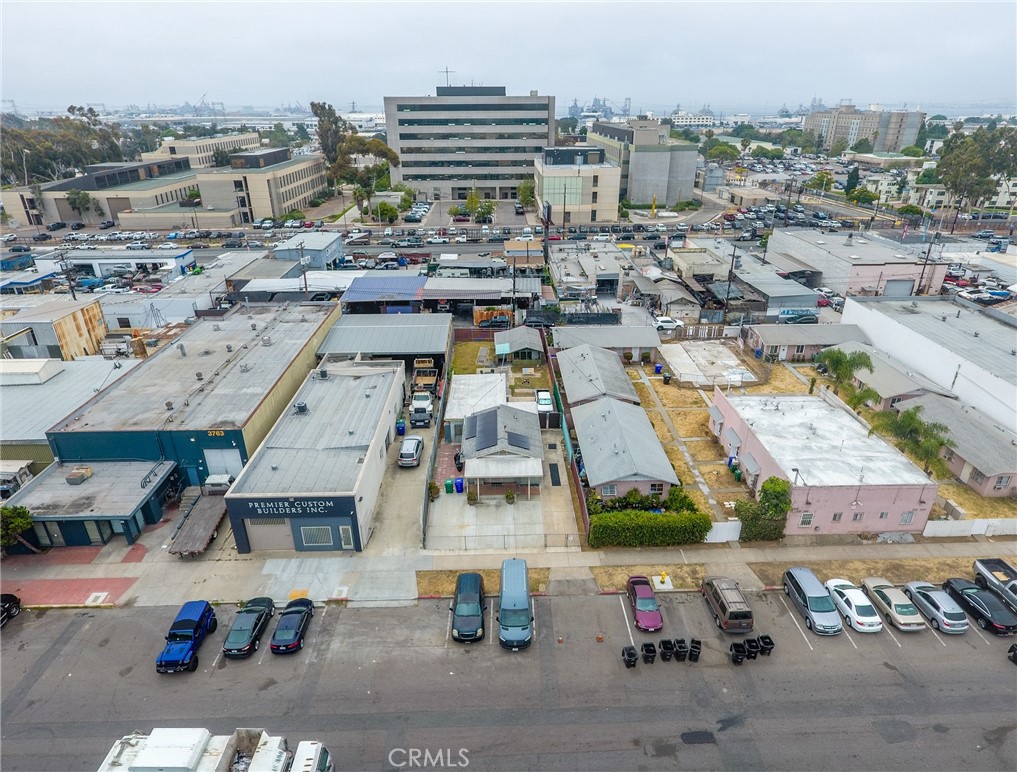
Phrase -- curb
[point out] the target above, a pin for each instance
(36, 606)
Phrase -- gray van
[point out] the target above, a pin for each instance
(727, 604)
(812, 600)
(515, 612)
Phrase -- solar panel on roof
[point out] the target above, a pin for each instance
(470, 427)
(487, 429)
(517, 440)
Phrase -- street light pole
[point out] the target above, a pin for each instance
(24, 164)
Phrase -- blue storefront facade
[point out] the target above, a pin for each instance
(301, 523)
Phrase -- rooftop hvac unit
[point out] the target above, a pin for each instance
(244, 367)
(300, 407)
(79, 474)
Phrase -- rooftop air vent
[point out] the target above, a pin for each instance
(300, 407)
(217, 327)
(169, 404)
(244, 367)
(266, 341)
(200, 376)
(183, 351)
(323, 374)
(254, 326)
(229, 347)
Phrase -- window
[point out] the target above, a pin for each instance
(857, 517)
(596, 179)
(977, 476)
(837, 516)
(657, 489)
(346, 536)
(271, 521)
(948, 454)
(806, 520)
(1003, 481)
(316, 535)
(594, 201)
(593, 215)
(907, 517)
(799, 349)
(884, 515)
(608, 490)
(123, 322)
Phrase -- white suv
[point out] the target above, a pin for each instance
(667, 323)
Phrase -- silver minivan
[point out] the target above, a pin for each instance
(812, 600)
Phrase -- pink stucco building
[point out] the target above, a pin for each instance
(843, 481)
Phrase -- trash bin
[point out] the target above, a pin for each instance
(649, 653)
(460, 484)
(737, 653)
(658, 368)
(448, 486)
(401, 427)
(630, 656)
(765, 645)
(667, 378)
(681, 650)
(695, 649)
(752, 648)
(666, 650)
(738, 474)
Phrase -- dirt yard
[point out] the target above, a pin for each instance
(683, 576)
(645, 398)
(691, 423)
(443, 583)
(674, 396)
(464, 356)
(782, 381)
(897, 571)
(705, 450)
(976, 506)
(657, 420)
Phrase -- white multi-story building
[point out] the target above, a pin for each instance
(468, 137)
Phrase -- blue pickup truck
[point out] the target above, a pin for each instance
(194, 622)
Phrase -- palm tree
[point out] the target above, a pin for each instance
(860, 395)
(842, 366)
(924, 440)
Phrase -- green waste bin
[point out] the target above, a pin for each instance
(449, 486)
(738, 475)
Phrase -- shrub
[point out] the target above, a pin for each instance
(433, 490)
(645, 357)
(315, 202)
(627, 356)
(678, 500)
(634, 528)
(471, 497)
(510, 497)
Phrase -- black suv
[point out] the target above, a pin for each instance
(55, 226)
(468, 608)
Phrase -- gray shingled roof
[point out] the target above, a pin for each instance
(889, 377)
(990, 448)
(388, 334)
(808, 334)
(517, 339)
(588, 372)
(619, 444)
(607, 336)
(502, 430)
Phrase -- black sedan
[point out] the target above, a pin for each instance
(292, 626)
(245, 634)
(10, 607)
(984, 607)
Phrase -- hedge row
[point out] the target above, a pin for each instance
(635, 528)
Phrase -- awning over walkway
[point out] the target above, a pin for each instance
(504, 468)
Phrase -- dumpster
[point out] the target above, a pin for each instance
(681, 650)
(448, 486)
(765, 645)
(737, 653)
(401, 427)
(630, 656)
(460, 484)
(658, 369)
(649, 653)
(695, 649)
(666, 650)
(752, 648)
(667, 378)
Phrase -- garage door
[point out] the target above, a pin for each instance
(269, 533)
(898, 288)
(225, 461)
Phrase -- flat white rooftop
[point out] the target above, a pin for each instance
(827, 445)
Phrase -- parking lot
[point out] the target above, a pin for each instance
(372, 680)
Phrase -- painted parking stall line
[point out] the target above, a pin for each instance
(979, 634)
(846, 628)
(892, 636)
(628, 623)
(792, 617)
(937, 636)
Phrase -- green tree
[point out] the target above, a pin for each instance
(14, 521)
(912, 151)
(853, 178)
(385, 212)
(472, 202)
(80, 202)
(766, 518)
(911, 212)
(864, 145)
(928, 177)
(722, 152)
(745, 143)
(861, 196)
(220, 157)
(277, 137)
(838, 147)
(823, 181)
(857, 396)
(842, 367)
(923, 440)
(525, 192)
(485, 208)
(970, 166)
(301, 130)
(331, 130)
(567, 125)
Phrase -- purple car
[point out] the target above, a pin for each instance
(645, 611)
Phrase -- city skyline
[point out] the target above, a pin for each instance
(736, 57)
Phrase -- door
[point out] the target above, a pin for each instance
(223, 461)
(898, 288)
(269, 533)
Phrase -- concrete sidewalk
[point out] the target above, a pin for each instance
(114, 574)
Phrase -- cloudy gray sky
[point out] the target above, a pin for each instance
(956, 57)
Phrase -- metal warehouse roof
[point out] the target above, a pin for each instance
(588, 372)
(808, 335)
(620, 444)
(388, 334)
(383, 287)
(469, 394)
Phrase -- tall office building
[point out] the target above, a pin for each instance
(468, 137)
(889, 131)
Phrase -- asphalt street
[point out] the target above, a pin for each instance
(374, 682)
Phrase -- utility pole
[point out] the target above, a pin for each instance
(928, 255)
(303, 268)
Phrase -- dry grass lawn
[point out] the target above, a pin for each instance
(443, 583)
(657, 420)
(674, 396)
(718, 476)
(464, 356)
(691, 423)
(683, 576)
(644, 395)
(634, 373)
(782, 381)
(538, 380)
(677, 459)
(898, 571)
(976, 506)
(705, 450)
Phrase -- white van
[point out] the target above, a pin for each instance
(601, 237)
(311, 756)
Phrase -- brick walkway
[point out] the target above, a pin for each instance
(69, 592)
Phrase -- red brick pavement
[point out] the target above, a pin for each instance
(68, 592)
(136, 554)
(58, 556)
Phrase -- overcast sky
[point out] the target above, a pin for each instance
(955, 57)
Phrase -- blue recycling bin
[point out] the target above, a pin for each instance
(460, 484)
(658, 368)
(400, 427)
